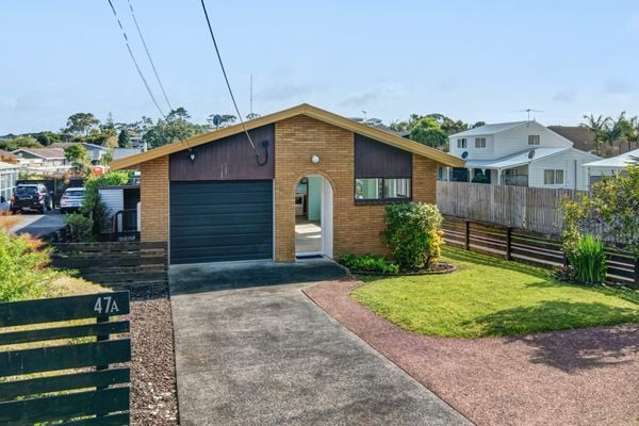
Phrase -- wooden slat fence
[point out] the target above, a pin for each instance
(76, 381)
(120, 265)
(538, 249)
(531, 209)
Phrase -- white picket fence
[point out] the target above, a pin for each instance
(532, 209)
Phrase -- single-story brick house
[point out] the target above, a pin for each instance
(214, 197)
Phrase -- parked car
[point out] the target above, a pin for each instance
(31, 197)
(71, 200)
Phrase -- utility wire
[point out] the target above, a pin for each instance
(228, 85)
(148, 55)
(135, 62)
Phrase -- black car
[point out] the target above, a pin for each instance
(31, 197)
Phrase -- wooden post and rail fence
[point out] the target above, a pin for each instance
(83, 380)
(531, 247)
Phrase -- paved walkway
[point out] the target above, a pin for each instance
(270, 356)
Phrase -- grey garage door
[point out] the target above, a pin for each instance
(216, 221)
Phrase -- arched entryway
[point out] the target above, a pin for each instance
(313, 217)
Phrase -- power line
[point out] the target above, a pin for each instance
(228, 85)
(135, 62)
(148, 55)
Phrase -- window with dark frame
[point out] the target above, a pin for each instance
(383, 173)
(382, 189)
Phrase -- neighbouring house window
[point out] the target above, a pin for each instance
(553, 177)
(462, 143)
(480, 142)
(534, 140)
(382, 189)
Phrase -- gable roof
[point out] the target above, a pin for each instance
(490, 129)
(517, 159)
(582, 137)
(618, 162)
(44, 153)
(304, 109)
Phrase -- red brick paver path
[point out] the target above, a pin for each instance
(577, 377)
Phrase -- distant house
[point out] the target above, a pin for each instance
(96, 152)
(52, 157)
(597, 170)
(119, 153)
(7, 157)
(523, 153)
(8, 177)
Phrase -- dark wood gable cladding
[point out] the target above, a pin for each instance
(378, 160)
(231, 158)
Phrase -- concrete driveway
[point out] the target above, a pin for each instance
(267, 355)
(40, 225)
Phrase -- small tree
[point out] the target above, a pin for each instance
(613, 207)
(92, 206)
(79, 158)
(413, 234)
(427, 131)
(123, 139)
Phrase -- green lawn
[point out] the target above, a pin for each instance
(487, 296)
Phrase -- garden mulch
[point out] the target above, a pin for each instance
(575, 377)
(153, 384)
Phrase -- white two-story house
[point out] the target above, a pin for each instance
(523, 153)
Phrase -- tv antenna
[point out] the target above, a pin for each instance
(251, 93)
(528, 111)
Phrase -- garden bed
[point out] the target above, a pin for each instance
(437, 269)
(153, 383)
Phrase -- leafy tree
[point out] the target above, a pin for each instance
(448, 125)
(428, 132)
(174, 128)
(24, 141)
(599, 126)
(220, 120)
(252, 116)
(622, 130)
(123, 139)
(47, 138)
(79, 158)
(81, 123)
(478, 124)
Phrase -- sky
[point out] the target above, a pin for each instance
(472, 60)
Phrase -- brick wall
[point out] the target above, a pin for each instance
(154, 198)
(356, 228)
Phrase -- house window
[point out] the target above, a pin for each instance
(382, 189)
(534, 140)
(480, 142)
(553, 177)
(461, 143)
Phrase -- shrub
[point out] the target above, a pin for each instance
(588, 260)
(92, 207)
(413, 234)
(369, 263)
(23, 263)
(80, 228)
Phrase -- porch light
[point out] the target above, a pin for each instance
(315, 159)
(192, 155)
